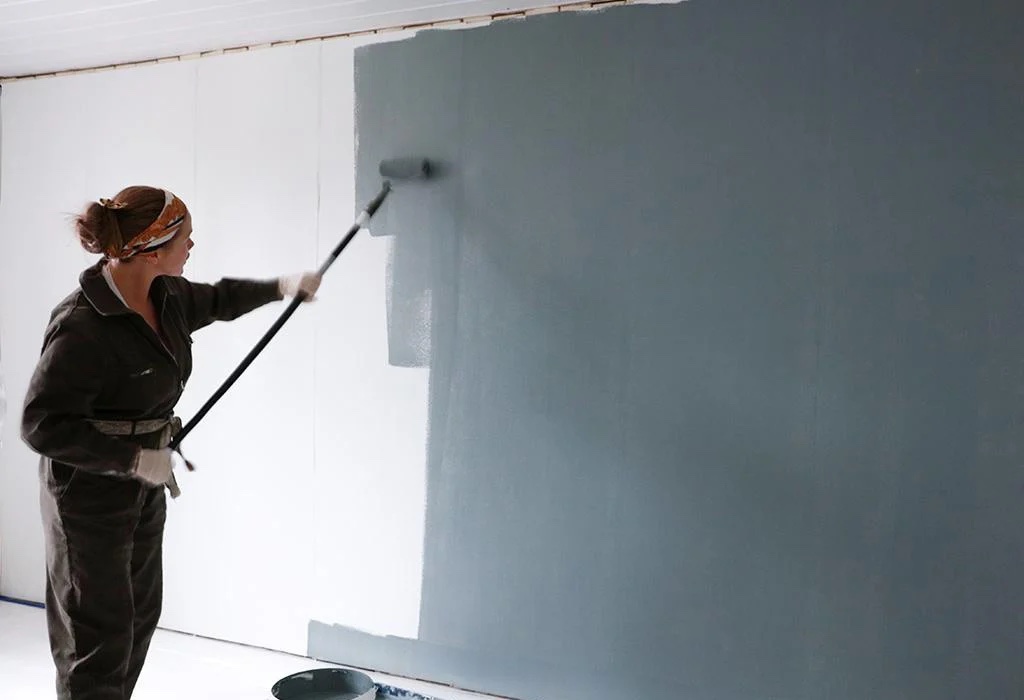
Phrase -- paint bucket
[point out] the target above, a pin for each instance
(325, 684)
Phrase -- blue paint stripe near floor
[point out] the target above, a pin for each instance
(19, 601)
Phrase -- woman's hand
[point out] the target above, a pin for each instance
(303, 283)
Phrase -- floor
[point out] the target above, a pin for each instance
(179, 666)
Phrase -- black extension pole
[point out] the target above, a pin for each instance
(361, 221)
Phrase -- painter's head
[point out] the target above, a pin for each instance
(139, 225)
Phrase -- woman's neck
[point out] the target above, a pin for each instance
(133, 281)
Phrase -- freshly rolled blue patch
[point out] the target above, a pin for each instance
(387, 691)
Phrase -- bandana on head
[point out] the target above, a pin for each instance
(166, 226)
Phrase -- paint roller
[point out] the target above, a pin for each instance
(395, 169)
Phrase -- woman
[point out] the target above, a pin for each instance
(115, 359)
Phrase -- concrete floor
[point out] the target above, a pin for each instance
(179, 666)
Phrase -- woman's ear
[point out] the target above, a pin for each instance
(148, 258)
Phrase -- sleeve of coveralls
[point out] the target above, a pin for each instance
(226, 300)
(59, 402)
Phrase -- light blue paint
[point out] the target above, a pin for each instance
(726, 341)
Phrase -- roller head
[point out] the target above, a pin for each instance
(405, 168)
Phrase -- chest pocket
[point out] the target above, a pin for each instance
(144, 386)
(144, 379)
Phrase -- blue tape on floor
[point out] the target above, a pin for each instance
(19, 601)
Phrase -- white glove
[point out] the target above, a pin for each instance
(305, 282)
(154, 466)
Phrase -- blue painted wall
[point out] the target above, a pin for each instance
(726, 349)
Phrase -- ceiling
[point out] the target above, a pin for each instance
(46, 36)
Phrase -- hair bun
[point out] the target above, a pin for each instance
(105, 225)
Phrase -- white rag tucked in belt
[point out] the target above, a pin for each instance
(168, 427)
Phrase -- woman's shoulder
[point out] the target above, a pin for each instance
(74, 314)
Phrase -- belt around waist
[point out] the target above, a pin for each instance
(135, 427)
(167, 427)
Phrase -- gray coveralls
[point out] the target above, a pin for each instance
(104, 529)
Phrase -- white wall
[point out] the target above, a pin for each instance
(311, 470)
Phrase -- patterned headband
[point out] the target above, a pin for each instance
(166, 226)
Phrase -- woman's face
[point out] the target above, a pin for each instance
(172, 257)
